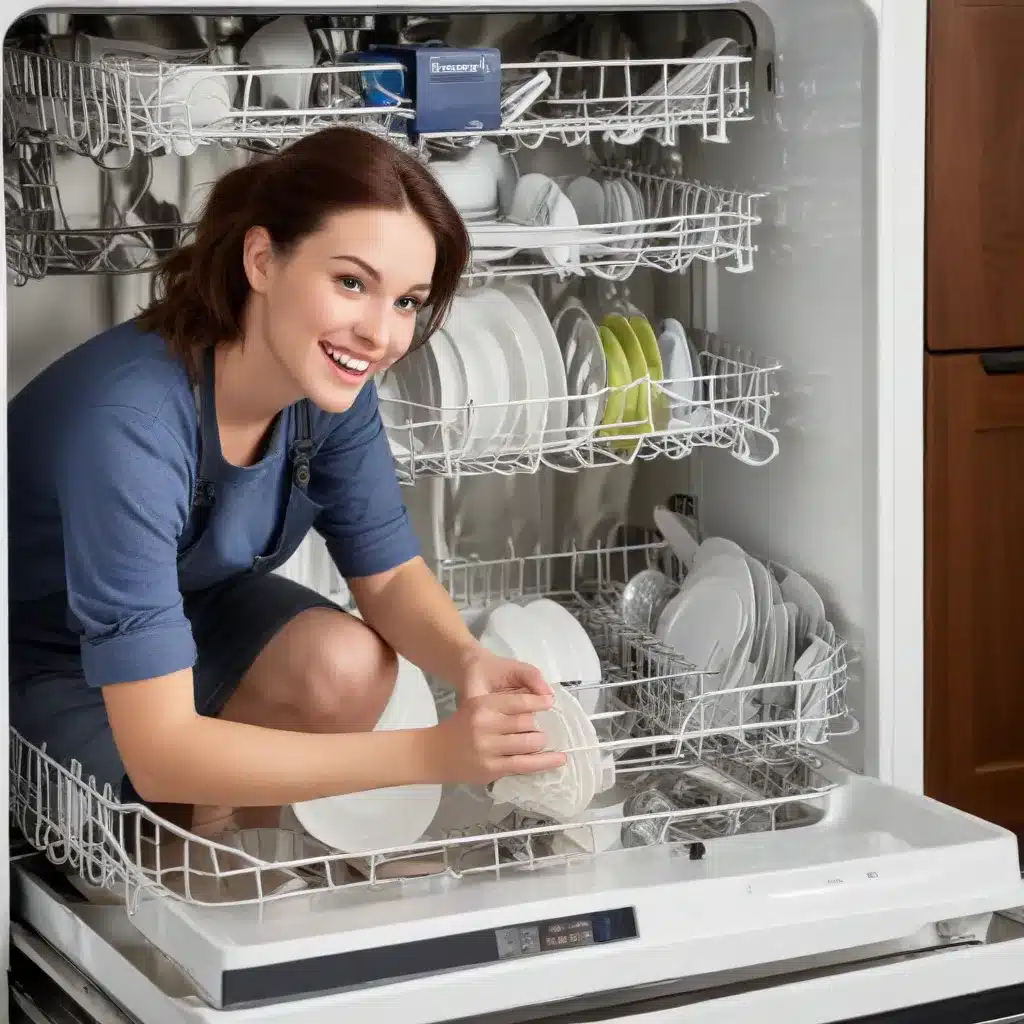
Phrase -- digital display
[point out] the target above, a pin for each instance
(566, 933)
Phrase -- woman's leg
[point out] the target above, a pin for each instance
(324, 671)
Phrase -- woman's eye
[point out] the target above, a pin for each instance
(409, 304)
(351, 283)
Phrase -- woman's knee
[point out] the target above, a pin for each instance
(328, 669)
(349, 677)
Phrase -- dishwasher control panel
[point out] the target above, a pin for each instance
(566, 933)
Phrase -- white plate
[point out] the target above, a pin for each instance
(677, 363)
(420, 384)
(586, 368)
(588, 199)
(451, 371)
(512, 624)
(677, 534)
(573, 651)
(492, 307)
(486, 372)
(705, 625)
(729, 567)
(434, 377)
(763, 651)
(555, 386)
(561, 792)
(717, 547)
(381, 818)
(798, 591)
(583, 749)
(536, 412)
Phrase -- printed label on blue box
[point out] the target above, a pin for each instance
(444, 69)
(451, 90)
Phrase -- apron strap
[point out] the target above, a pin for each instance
(301, 450)
(202, 393)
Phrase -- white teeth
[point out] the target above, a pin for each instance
(355, 365)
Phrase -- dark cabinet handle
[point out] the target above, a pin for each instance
(1009, 360)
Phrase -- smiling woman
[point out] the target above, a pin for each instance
(160, 472)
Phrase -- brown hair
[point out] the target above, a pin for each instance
(202, 284)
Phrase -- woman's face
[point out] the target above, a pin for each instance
(342, 305)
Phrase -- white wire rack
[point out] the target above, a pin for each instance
(655, 683)
(727, 406)
(152, 105)
(626, 100)
(42, 240)
(682, 221)
(684, 786)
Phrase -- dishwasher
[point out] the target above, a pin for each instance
(770, 855)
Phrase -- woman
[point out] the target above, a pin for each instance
(160, 471)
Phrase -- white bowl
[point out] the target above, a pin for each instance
(284, 42)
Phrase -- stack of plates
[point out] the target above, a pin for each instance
(491, 381)
(545, 634)
(751, 624)
(501, 378)
(617, 353)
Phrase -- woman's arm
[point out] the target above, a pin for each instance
(174, 755)
(413, 613)
(375, 549)
(410, 609)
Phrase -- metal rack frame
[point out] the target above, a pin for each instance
(686, 221)
(140, 104)
(740, 776)
(729, 409)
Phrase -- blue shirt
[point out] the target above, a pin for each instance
(103, 456)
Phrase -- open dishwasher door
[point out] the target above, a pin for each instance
(973, 978)
(886, 903)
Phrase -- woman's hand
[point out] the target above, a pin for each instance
(484, 672)
(492, 735)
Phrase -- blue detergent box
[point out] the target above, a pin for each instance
(451, 90)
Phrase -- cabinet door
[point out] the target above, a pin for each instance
(974, 586)
(975, 175)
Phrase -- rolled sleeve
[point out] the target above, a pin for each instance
(131, 656)
(124, 495)
(364, 520)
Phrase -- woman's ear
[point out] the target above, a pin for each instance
(257, 255)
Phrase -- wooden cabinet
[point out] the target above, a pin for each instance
(975, 174)
(974, 584)
(974, 401)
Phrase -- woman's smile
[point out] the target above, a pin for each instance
(348, 367)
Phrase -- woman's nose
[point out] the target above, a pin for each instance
(373, 328)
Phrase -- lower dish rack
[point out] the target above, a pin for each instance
(686, 772)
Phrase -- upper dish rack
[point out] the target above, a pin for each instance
(682, 221)
(696, 773)
(152, 105)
